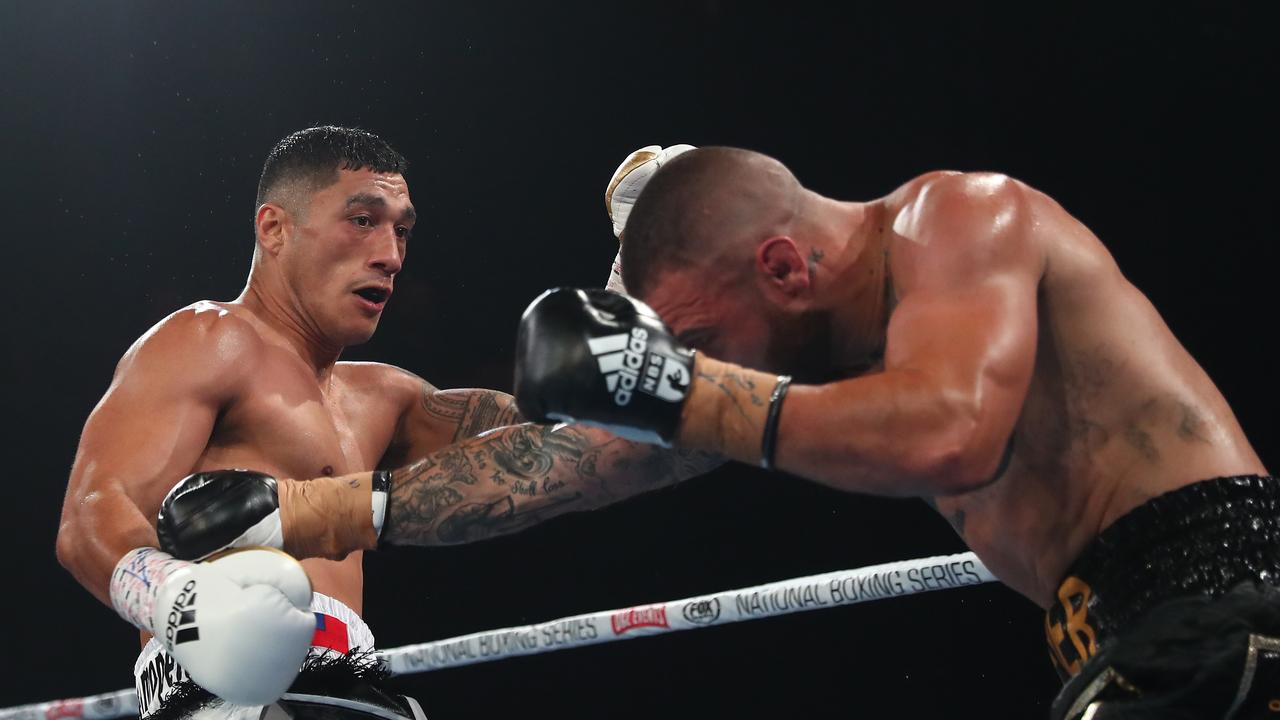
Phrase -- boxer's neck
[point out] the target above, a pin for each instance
(270, 300)
(856, 295)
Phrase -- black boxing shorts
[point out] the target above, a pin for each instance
(1174, 610)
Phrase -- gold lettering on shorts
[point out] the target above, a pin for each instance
(1071, 638)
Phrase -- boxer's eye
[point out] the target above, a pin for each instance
(402, 232)
(362, 221)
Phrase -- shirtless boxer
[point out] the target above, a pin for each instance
(965, 340)
(256, 383)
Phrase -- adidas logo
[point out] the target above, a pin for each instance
(180, 624)
(626, 364)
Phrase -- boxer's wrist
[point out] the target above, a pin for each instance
(328, 517)
(137, 579)
(727, 409)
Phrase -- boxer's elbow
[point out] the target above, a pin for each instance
(75, 541)
(68, 545)
(95, 532)
(74, 549)
(958, 457)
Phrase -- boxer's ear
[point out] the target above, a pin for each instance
(272, 225)
(781, 269)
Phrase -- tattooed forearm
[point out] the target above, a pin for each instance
(738, 388)
(534, 452)
(726, 409)
(692, 463)
(476, 521)
(518, 476)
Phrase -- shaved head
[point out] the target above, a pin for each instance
(707, 207)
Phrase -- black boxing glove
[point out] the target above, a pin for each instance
(600, 358)
(207, 512)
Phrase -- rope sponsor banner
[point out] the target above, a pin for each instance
(815, 592)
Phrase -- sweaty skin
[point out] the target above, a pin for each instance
(1000, 317)
(256, 384)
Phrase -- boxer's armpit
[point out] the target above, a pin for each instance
(515, 477)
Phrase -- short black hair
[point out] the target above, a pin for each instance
(315, 155)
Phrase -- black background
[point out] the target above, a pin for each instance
(134, 134)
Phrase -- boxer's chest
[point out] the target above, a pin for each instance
(288, 425)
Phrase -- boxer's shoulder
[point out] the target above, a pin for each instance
(204, 338)
(953, 191)
(206, 322)
(384, 379)
(909, 190)
(964, 226)
(960, 206)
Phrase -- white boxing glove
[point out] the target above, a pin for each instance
(624, 189)
(240, 624)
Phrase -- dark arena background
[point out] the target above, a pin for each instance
(134, 133)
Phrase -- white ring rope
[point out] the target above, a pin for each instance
(814, 592)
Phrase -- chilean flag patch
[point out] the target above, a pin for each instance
(330, 633)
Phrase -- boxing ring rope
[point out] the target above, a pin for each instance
(801, 594)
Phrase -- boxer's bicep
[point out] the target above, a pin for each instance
(147, 432)
(471, 411)
(966, 322)
(436, 418)
(430, 418)
(959, 353)
(976, 350)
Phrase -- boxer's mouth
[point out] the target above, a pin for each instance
(375, 294)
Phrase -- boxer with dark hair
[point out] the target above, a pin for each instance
(336, 457)
(966, 340)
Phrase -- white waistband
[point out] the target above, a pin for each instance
(155, 673)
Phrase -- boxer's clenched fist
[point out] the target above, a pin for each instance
(208, 512)
(630, 178)
(624, 189)
(601, 358)
(214, 510)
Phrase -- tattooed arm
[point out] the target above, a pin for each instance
(433, 418)
(513, 477)
(470, 468)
